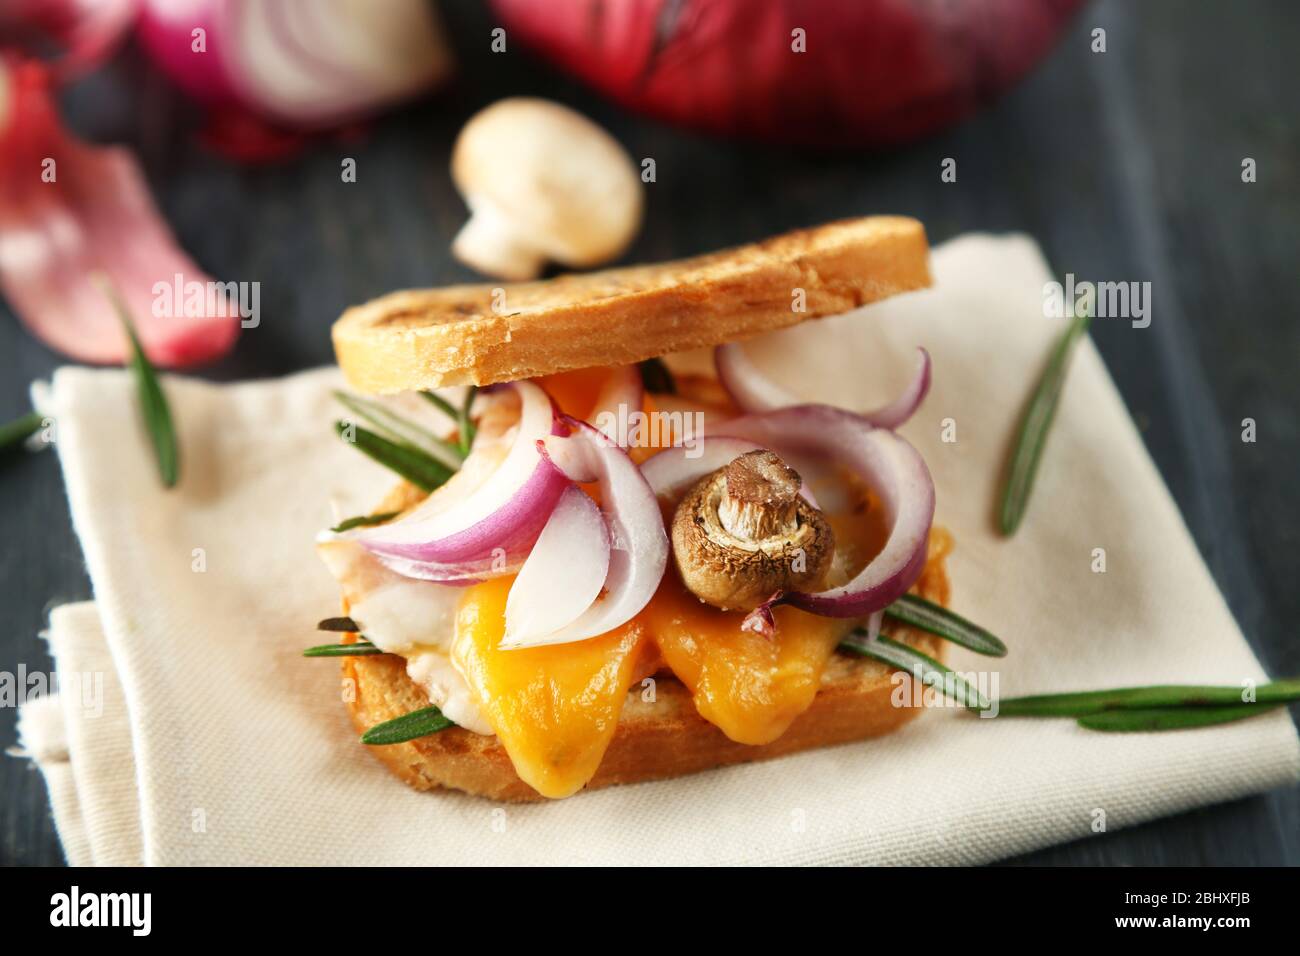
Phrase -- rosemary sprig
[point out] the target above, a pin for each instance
(19, 430)
(1171, 718)
(411, 463)
(656, 377)
(364, 521)
(1087, 703)
(921, 666)
(464, 426)
(398, 429)
(418, 723)
(338, 624)
(153, 403)
(938, 620)
(359, 649)
(1023, 464)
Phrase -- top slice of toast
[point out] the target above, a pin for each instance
(502, 332)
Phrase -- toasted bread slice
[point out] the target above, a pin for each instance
(655, 740)
(481, 334)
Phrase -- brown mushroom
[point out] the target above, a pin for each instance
(743, 533)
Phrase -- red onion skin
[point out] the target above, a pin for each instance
(876, 72)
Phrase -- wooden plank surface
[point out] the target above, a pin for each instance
(1124, 165)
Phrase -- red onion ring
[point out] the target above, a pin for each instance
(888, 465)
(754, 392)
(465, 532)
(639, 543)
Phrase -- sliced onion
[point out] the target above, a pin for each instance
(484, 521)
(563, 574)
(304, 63)
(620, 397)
(754, 392)
(638, 542)
(885, 463)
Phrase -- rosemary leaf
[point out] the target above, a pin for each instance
(401, 430)
(359, 649)
(938, 620)
(921, 666)
(1086, 703)
(1171, 718)
(465, 427)
(656, 377)
(338, 624)
(19, 430)
(1023, 464)
(409, 462)
(364, 521)
(418, 723)
(440, 403)
(153, 403)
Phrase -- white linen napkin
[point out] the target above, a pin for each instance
(217, 743)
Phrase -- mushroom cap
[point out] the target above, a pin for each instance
(563, 182)
(736, 573)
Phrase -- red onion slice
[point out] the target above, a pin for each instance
(484, 520)
(754, 392)
(620, 397)
(638, 542)
(563, 574)
(888, 465)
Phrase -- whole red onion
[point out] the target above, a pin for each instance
(874, 72)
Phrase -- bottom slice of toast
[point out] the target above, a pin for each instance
(654, 740)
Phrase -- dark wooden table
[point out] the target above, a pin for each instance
(1124, 165)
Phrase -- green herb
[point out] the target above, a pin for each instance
(1171, 718)
(1034, 427)
(364, 521)
(440, 403)
(938, 620)
(465, 427)
(1086, 703)
(338, 624)
(19, 430)
(418, 723)
(153, 403)
(359, 649)
(401, 430)
(409, 462)
(921, 666)
(656, 377)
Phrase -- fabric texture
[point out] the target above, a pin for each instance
(215, 742)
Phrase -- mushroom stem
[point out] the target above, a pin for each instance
(490, 243)
(759, 497)
(743, 533)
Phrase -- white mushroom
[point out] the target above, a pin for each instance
(542, 183)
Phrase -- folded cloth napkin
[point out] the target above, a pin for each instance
(213, 741)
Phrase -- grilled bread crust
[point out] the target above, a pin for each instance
(502, 332)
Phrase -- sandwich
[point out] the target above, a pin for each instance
(607, 570)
